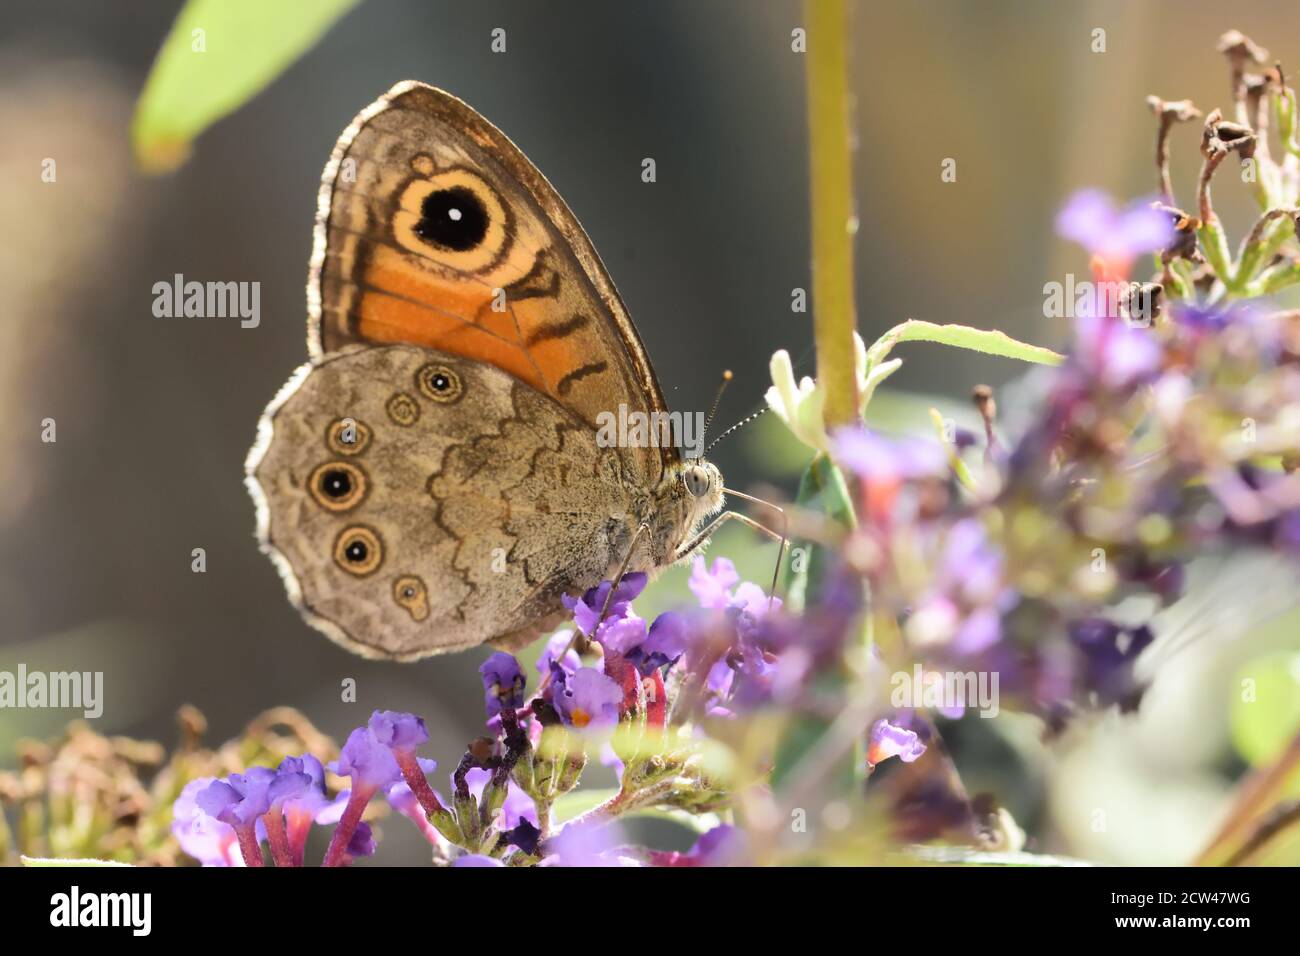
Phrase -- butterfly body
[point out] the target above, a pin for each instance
(432, 478)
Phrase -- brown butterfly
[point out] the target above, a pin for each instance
(432, 479)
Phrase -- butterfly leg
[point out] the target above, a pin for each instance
(696, 542)
(609, 599)
(622, 569)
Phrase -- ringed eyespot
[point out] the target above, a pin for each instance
(337, 485)
(438, 382)
(358, 550)
(347, 436)
(403, 409)
(409, 592)
(454, 218)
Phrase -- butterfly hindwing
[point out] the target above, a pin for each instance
(417, 502)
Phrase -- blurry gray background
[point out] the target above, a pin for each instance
(155, 416)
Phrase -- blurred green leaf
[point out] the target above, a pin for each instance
(988, 341)
(577, 802)
(56, 861)
(822, 489)
(218, 55)
(962, 856)
(1265, 714)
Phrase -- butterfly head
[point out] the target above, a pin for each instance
(699, 486)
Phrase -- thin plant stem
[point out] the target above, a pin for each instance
(834, 221)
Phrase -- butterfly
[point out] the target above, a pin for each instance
(432, 478)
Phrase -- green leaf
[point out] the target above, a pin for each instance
(962, 856)
(1265, 713)
(218, 55)
(988, 341)
(822, 489)
(60, 861)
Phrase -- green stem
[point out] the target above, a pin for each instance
(1269, 234)
(1275, 279)
(1215, 245)
(833, 220)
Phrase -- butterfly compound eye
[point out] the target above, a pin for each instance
(697, 481)
(453, 218)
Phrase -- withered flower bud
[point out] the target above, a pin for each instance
(1221, 136)
(1175, 110)
(1241, 49)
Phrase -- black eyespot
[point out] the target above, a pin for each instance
(358, 550)
(453, 218)
(337, 486)
(438, 383)
(336, 483)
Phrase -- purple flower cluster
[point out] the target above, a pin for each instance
(212, 817)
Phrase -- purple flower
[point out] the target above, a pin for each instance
(623, 634)
(980, 631)
(663, 645)
(1117, 354)
(720, 588)
(476, 859)
(397, 730)
(523, 835)
(362, 842)
(239, 799)
(201, 835)
(503, 683)
(875, 458)
(889, 740)
(724, 845)
(585, 844)
(311, 800)
(1091, 219)
(558, 651)
(586, 609)
(401, 798)
(368, 761)
(712, 586)
(585, 698)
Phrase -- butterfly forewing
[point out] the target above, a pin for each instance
(435, 230)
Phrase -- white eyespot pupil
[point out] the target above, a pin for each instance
(454, 214)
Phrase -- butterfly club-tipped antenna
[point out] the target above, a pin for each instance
(717, 398)
(736, 427)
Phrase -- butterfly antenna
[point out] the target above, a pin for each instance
(740, 424)
(726, 378)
